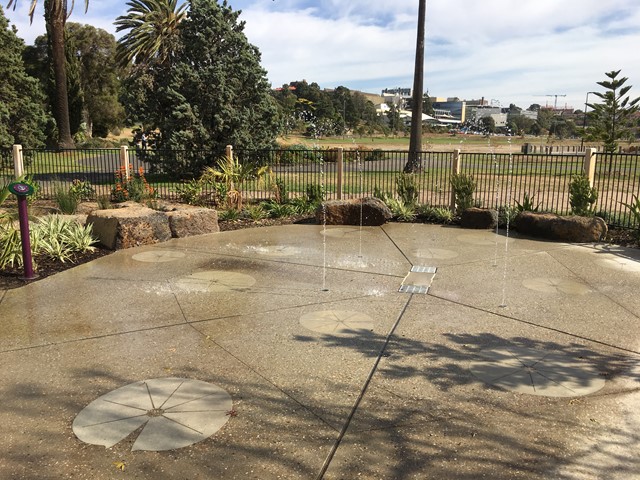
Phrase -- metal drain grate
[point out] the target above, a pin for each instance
(418, 280)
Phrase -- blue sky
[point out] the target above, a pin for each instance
(509, 51)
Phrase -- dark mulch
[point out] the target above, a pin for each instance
(46, 266)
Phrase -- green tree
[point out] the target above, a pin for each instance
(215, 92)
(22, 116)
(610, 120)
(94, 50)
(56, 14)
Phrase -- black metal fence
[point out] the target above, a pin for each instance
(502, 180)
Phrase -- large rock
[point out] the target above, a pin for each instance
(186, 222)
(566, 229)
(372, 211)
(479, 218)
(129, 226)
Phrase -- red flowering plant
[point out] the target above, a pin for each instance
(134, 187)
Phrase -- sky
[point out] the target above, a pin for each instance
(507, 51)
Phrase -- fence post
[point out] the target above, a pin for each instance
(124, 161)
(455, 170)
(229, 154)
(340, 173)
(18, 161)
(590, 156)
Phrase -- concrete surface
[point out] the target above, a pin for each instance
(331, 371)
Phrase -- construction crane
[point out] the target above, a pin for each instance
(555, 102)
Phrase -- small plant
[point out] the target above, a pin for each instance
(401, 211)
(314, 193)
(229, 214)
(135, 188)
(463, 187)
(191, 192)
(634, 209)
(527, 204)
(233, 173)
(302, 206)
(436, 214)
(280, 190)
(67, 200)
(104, 202)
(278, 210)
(82, 189)
(256, 212)
(507, 215)
(582, 196)
(407, 188)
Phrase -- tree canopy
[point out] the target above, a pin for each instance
(609, 121)
(23, 119)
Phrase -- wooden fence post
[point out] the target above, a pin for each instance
(455, 170)
(229, 154)
(590, 158)
(18, 161)
(124, 161)
(340, 173)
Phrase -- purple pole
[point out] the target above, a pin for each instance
(23, 215)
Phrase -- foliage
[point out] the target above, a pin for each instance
(211, 92)
(278, 210)
(463, 187)
(610, 120)
(233, 173)
(403, 212)
(407, 188)
(314, 193)
(135, 188)
(229, 214)
(191, 192)
(82, 189)
(256, 212)
(22, 117)
(634, 209)
(582, 196)
(280, 190)
(506, 215)
(66, 200)
(152, 31)
(527, 204)
(104, 202)
(435, 214)
(51, 236)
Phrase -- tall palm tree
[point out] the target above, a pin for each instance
(152, 31)
(415, 140)
(56, 13)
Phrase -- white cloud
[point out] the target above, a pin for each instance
(509, 50)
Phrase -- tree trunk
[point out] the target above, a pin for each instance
(415, 142)
(55, 17)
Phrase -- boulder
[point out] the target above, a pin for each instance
(479, 218)
(555, 227)
(129, 225)
(373, 212)
(186, 222)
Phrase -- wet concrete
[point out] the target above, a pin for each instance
(388, 392)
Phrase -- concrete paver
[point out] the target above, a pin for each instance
(397, 388)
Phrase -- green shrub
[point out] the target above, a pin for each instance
(436, 214)
(527, 204)
(66, 200)
(634, 209)
(314, 193)
(82, 189)
(278, 210)
(463, 187)
(582, 196)
(51, 236)
(256, 212)
(191, 192)
(229, 214)
(407, 188)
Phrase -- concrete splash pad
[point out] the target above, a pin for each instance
(358, 381)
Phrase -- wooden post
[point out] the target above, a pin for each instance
(590, 158)
(229, 154)
(18, 161)
(455, 170)
(340, 173)
(124, 161)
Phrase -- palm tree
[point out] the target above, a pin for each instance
(152, 31)
(415, 140)
(56, 13)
